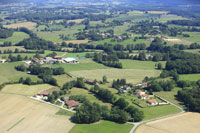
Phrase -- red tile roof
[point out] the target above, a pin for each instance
(44, 93)
(152, 100)
(72, 103)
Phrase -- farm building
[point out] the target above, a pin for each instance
(58, 57)
(42, 95)
(152, 102)
(72, 104)
(139, 92)
(125, 87)
(2, 60)
(143, 96)
(71, 60)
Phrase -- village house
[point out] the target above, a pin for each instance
(43, 95)
(125, 87)
(36, 60)
(72, 104)
(50, 60)
(2, 60)
(152, 102)
(139, 92)
(144, 84)
(143, 96)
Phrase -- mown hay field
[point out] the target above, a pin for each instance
(183, 123)
(28, 25)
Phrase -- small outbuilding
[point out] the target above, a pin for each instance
(72, 104)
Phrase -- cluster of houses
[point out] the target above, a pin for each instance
(142, 95)
(71, 104)
(55, 59)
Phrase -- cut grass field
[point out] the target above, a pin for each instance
(194, 51)
(28, 25)
(194, 37)
(12, 48)
(131, 75)
(183, 123)
(8, 73)
(62, 79)
(22, 114)
(102, 127)
(190, 77)
(25, 90)
(15, 38)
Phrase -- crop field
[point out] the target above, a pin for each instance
(8, 73)
(77, 41)
(78, 21)
(102, 127)
(28, 25)
(15, 38)
(132, 75)
(183, 123)
(22, 114)
(190, 77)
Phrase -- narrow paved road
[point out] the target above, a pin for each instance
(136, 124)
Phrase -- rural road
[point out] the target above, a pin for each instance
(136, 124)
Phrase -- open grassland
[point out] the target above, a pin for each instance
(183, 123)
(20, 114)
(134, 64)
(62, 79)
(15, 38)
(90, 96)
(170, 96)
(8, 73)
(85, 64)
(82, 54)
(28, 25)
(78, 21)
(12, 48)
(102, 127)
(194, 37)
(194, 51)
(54, 35)
(190, 77)
(131, 75)
(77, 41)
(25, 90)
(168, 17)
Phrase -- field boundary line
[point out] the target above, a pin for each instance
(16, 124)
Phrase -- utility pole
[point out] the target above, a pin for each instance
(188, 108)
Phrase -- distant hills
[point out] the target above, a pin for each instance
(154, 2)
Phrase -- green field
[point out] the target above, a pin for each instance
(90, 96)
(8, 73)
(194, 37)
(102, 127)
(190, 77)
(15, 38)
(194, 51)
(144, 65)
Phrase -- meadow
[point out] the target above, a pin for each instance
(190, 77)
(28, 25)
(194, 37)
(15, 38)
(102, 127)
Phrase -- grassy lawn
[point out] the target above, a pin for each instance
(15, 38)
(194, 51)
(62, 79)
(8, 73)
(64, 112)
(190, 77)
(158, 111)
(135, 64)
(102, 127)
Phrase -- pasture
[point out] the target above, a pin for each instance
(15, 38)
(28, 25)
(8, 73)
(190, 77)
(194, 37)
(102, 127)
(183, 123)
(22, 114)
